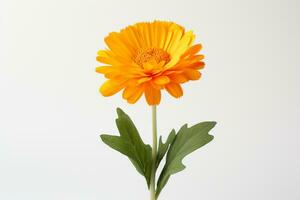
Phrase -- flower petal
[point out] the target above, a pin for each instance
(174, 89)
(136, 96)
(178, 78)
(110, 87)
(179, 46)
(144, 79)
(192, 74)
(129, 91)
(161, 80)
(197, 65)
(118, 46)
(192, 50)
(152, 95)
(104, 69)
(183, 44)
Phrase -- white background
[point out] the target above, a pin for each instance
(51, 113)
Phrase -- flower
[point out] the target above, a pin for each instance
(148, 57)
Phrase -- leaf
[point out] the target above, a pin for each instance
(130, 144)
(186, 141)
(163, 147)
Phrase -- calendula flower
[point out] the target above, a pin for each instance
(146, 58)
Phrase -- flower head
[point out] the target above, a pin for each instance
(146, 58)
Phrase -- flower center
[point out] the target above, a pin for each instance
(151, 54)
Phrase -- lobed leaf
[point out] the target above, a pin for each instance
(185, 142)
(130, 144)
(163, 147)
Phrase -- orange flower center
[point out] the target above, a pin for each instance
(151, 54)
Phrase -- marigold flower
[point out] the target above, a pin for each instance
(148, 57)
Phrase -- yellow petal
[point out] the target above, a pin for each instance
(174, 89)
(179, 47)
(177, 34)
(183, 44)
(161, 80)
(168, 39)
(110, 87)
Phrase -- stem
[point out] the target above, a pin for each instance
(154, 153)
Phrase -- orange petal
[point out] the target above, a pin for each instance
(136, 96)
(193, 50)
(144, 79)
(152, 95)
(103, 69)
(107, 58)
(162, 36)
(148, 66)
(173, 72)
(192, 74)
(178, 78)
(110, 87)
(130, 33)
(197, 57)
(112, 75)
(197, 65)
(161, 80)
(117, 45)
(129, 91)
(174, 89)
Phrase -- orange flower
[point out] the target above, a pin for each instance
(146, 58)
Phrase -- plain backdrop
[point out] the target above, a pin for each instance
(51, 113)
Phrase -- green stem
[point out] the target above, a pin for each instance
(154, 153)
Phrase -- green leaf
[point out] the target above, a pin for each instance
(186, 141)
(163, 147)
(130, 144)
